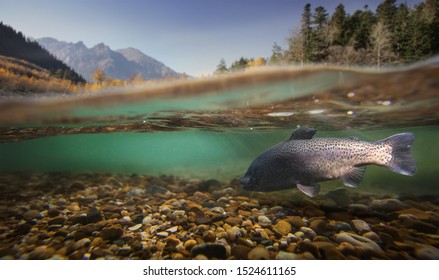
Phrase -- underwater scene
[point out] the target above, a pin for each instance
(157, 172)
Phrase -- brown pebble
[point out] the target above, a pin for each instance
(189, 244)
(59, 220)
(295, 221)
(259, 253)
(233, 221)
(111, 233)
(240, 252)
(282, 227)
(96, 241)
(318, 226)
(32, 214)
(311, 211)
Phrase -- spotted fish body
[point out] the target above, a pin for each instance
(304, 161)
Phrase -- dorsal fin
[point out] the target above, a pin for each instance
(303, 132)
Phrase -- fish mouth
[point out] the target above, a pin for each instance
(248, 182)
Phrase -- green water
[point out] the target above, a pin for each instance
(217, 133)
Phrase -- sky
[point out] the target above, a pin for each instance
(190, 36)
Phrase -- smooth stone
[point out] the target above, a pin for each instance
(240, 252)
(147, 220)
(419, 214)
(178, 213)
(162, 234)
(340, 197)
(210, 250)
(412, 222)
(427, 252)
(79, 219)
(358, 209)
(387, 205)
(360, 242)
(84, 242)
(32, 214)
(172, 229)
(41, 253)
(136, 227)
(234, 233)
(233, 221)
(318, 226)
(282, 227)
(259, 253)
(328, 250)
(93, 215)
(360, 226)
(59, 220)
(137, 218)
(311, 211)
(53, 212)
(96, 241)
(282, 255)
(111, 233)
(295, 221)
(342, 226)
(339, 216)
(308, 232)
(308, 246)
(189, 244)
(372, 236)
(264, 221)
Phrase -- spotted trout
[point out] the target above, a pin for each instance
(303, 161)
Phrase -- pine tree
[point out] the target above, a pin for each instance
(277, 55)
(337, 27)
(305, 33)
(221, 68)
(319, 37)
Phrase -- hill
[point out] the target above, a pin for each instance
(15, 44)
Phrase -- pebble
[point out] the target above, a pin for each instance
(240, 252)
(387, 205)
(358, 209)
(372, 236)
(412, 222)
(84, 242)
(264, 221)
(32, 214)
(189, 244)
(233, 221)
(361, 242)
(311, 211)
(318, 226)
(96, 241)
(340, 197)
(234, 233)
(427, 252)
(282, 227)
(360, 226)
(136, 227)
(309, 233)
(93, 215)
(295, 221)
(172, 229)
(210, 250)
(259, 253)
(342, 226)
(162, 234)
(111, 233)
(59, 220)
(147, 220)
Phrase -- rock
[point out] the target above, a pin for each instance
(32, 214)
(340, 197)
(328, 251)
(318, 226)
(234, 233)
(311, 211)
(287, 256)
(96, 241)
(147, 220)
(358, 209)
(41, 253)
(372, 236)
(419, 214)
(162, 234)
(210, 250)
(137, 218)
(342, 226)
(357, 241)
(200, 257)
(155, 189)
(427, 252)
(93, 215)
(240, 252)
(247, 224)
(111, 233)
(360, 226)
(233, 221)
(308, 246)
(412, 222)
(339, 216)
(79, 219)
(295, 221)
(264, 221)
(259, 253)
(136, 227)
(172, 229)
(387, 205)
(53, 212)
(309, 233)
(84, 242)
(59, 220)
(189, 244)
(282, 227)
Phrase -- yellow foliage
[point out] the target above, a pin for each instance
(260, 61)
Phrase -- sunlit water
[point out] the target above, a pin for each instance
(214, 128)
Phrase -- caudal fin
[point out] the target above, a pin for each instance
(402, 160)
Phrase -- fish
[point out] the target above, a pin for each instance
(303, 161)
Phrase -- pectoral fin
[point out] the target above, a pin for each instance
(354, 176)
(311, 191)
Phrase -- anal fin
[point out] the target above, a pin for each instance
(354, 176)
(311, 191)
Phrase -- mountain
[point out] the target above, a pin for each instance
(121, 64)
(14, 44)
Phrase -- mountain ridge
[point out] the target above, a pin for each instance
(120, 64)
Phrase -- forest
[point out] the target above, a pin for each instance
(392, 35)
(15, 44)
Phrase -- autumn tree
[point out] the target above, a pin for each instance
(381, 44)
(277, 55)
(99, 76)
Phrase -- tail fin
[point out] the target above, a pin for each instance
(402, 160)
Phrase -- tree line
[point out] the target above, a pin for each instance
(392, 35)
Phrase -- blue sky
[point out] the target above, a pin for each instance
(188, 35)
